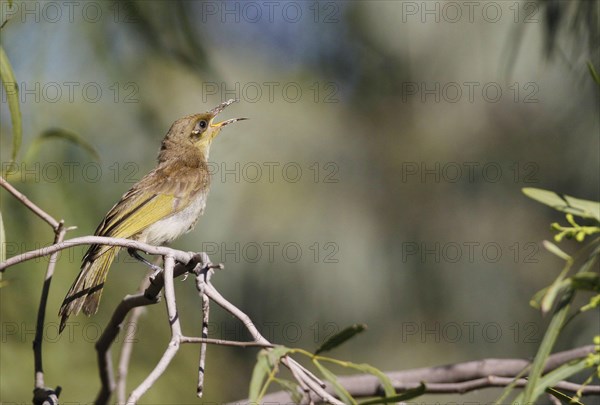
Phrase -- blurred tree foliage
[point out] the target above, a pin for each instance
(371, 133)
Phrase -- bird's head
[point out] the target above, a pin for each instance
(197, 130)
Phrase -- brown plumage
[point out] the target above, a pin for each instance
(162, 206)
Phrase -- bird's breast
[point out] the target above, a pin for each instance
(173, 226)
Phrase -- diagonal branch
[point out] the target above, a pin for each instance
(200, 284)
(27, 202)
(174, 343)
(456, 378)
(127, 346)
(305, 377)
(41, 315)
(150, 296)
(41, 393)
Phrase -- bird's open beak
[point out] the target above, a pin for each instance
(222, 124)
(220, 108)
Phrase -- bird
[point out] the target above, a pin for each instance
(162, 206)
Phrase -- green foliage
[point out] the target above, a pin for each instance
(267, 367)
(565, 203)
(405, 396)
(593, 73)
(341, 337)
(8, 79)
(341, 392)
(66, 135)
(579, 274)
(12, 97)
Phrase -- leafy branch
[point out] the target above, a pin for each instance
(579, 274)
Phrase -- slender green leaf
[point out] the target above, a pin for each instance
(563, 397)
(565, 203)
(291, 388)
(555, 250)
(386, 383)
(60, 133)
(536, 300)
(593, 303)
(405, 396)
(562, 373)
(510, 387)
(341, 337)
(586, 281)
(259, 376)
(529, 395)
(266, 365)
(593, 73)
(592, 258)
(338, 388)
(12, 97)
(555, 290)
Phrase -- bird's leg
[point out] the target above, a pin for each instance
(134, 253)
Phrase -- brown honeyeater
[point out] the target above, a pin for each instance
(162, 206)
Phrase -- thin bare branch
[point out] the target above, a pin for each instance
(29, 204)
(311, 381)
(454, 378)
(493, 381)
(107, 338)
(307, 378)
(41, 315)
(216, 296)
(180, 256)
(174, 344)
(458, 378)
(222, 342)
(149, 297)
(41, 393)
(127, 346)
(200, 284)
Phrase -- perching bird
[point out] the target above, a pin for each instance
(162, 206)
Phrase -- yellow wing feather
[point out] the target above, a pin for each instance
(136, 211)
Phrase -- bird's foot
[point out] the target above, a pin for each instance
(134, 253)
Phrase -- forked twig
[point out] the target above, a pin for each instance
(41, 392)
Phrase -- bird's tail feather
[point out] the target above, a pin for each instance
(87, 289)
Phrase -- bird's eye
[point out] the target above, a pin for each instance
(200, 127)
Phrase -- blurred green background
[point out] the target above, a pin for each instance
(377, 181)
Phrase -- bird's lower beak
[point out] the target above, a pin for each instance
(231, 121)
